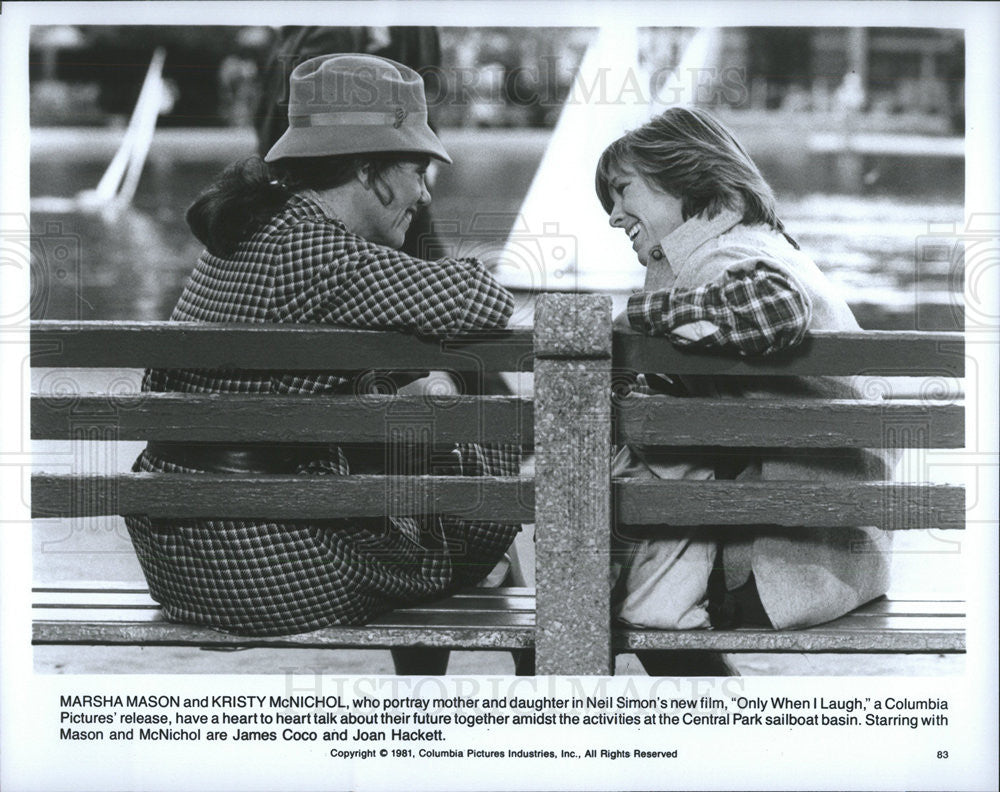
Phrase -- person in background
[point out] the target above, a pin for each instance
(721, 272)
(311, 234)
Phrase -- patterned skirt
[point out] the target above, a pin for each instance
(270, 578)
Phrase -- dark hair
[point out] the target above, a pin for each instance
(689, 154)
(249, 192)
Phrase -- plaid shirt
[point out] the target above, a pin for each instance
(264, 577)
(754, 313)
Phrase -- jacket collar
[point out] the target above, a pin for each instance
(307, 203)
(679, 244)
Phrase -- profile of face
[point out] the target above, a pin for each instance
(644, 211)
(392, 202)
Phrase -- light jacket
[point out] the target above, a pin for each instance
(804, 576)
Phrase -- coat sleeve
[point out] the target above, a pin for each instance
(329, 276)
(754, 312)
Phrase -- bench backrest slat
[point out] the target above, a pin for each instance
(789, 423)
(297, 418)
(889, 505)
(281, 347)
(281, 497)
(873, 352)
(791, 503)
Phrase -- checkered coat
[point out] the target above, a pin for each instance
(265, 577)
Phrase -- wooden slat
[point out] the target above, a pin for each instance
(79, 601)
(84, 587)
(892, 506)
(312, 347)
(489, 619)
(299, 418)
(790, 503)
(911, 607)
(502, 635)
(881, 626)
(663, 420)
(929, 635)
(459, 618)
(281, 497)
(113, 588)
(122, 596)
(470, 601)
(889, 352)
(279, 347)
(472, 619)
(934, 311)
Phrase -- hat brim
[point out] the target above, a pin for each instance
(356, 139)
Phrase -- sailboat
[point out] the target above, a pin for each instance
(117, 186)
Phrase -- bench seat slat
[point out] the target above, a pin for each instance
(904, 607)
(793, 503)
(799, 423)
(161, 633)
(471, 603)
(115, 594)
(299, 418)
(114, 587)
(472, 618)
(488, 619)
(508, 499)
(860, 623)
(944, 635)
(883, 625)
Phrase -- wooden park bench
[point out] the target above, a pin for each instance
(106, 613)
(568, 424)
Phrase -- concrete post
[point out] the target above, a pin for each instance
(573, 484)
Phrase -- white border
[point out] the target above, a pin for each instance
(29, 752)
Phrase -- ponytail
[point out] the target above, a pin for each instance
(250, 192)
(243, 198)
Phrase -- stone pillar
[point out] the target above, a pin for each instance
(573, 484)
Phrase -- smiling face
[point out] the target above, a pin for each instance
(406, 188)
(644, 212)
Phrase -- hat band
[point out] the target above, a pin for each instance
(354, 118)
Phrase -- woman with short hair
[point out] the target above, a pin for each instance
(721, 272)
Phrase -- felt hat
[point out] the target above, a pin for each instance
(355, 104)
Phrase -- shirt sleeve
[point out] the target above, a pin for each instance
(753, 313)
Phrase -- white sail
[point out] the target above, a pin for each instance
(562, 241)
(117, 186)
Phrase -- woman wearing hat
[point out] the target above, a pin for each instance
(310, 234)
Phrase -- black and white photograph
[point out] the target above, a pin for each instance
(499, 395)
